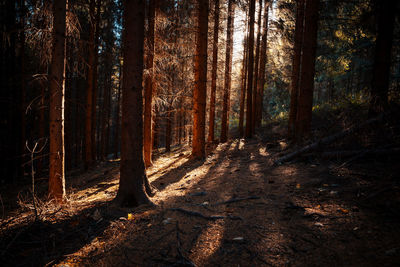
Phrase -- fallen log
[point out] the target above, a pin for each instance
(326, 141)
(362, 152)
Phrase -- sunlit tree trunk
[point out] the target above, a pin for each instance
(200, 79)
(305, 98)
(133, 179)
(117, 117)
(263, 62)
(383, 48)
(228, 72)
(244, 81)
(256, 67)
(214, 74)
(298, 40)
(249, 89)
(149, 86)
(57, 90)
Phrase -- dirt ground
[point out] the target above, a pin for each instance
(232, 209)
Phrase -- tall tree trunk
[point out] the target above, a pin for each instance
(149, 86)
(249, 89)
(211, 126)
(106, 105)
(381, 69)
(89, 131)
(133, 179)
(117, 118)
(263, 62)
(228, 72)
(296, 63)
(256, 67)
(244, 80)
(57, 90)
(200, 78)
(305, 102)
(95, 118)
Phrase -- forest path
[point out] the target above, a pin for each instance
(232, 209)
(298, 214)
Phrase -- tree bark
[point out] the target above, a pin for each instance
(305, 98)
(228, 72)
(256, 68)
(200, 78)
(57, 90)
(381, 69)
(296, 63)
(249, 89)
(133, 179)
(244, 80)
(149, 86)
(263, 62)
(211, 126)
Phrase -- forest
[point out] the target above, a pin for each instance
(199, 133)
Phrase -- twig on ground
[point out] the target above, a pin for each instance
(232, 200)
(198, 214)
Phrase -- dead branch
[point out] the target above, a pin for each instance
(326, 141)
(232, 200)
(198, 214)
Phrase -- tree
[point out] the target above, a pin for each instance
(149, 86)
(250, 62)
(244, 81)
(200, 76)
(57, 90)
(133, 179)
(228, 70)
(298, 39)
(256, 66)
(381, 69)
(305, 98)
(263, 62)
(214, 74)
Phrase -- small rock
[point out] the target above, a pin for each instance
(239, 238)
(167, 221)
(318, 224)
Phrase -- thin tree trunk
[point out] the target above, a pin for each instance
(211, 126)
(117, 118)
(95, 118)
(149, 86)
(256, 67)
(133, 179)
(57, 90)
(263, 62)
(244, 81)
(305, 98)
(228, 73)
(200, 77)
(381, 68)
(249, 104)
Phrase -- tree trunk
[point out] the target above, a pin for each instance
(381, 69)
(211, 126)
(57, 90)
(89, 156)
(200, 80)
(263, 62)
(149, 86)
(256, 67)
(244, 80)
(133, 179)
(249, 104)
(306, 89)
(228, 72)
(117, 118)
(296, 63)
(95, 118)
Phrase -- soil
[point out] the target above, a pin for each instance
(232, 209)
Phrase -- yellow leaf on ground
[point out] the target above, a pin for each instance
(130, 216)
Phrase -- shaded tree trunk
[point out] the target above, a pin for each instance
(262, 72)
(244, 82)
(381, 69)
(228, 72)
(133, 179)
(149, 86)
(211, 126)
(200, 77)
(249, 89)
(57, 90)
(296, 63)
(95, 118)
(305, 98)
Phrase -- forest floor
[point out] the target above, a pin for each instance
(235, 208)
